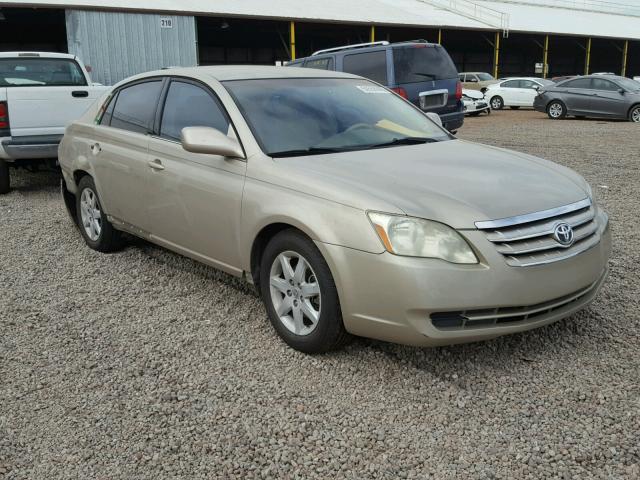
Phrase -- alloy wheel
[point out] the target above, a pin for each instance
(635, 115)
(555, 110)
(295, 293)
(90, 213)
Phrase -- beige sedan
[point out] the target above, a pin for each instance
(351, 211)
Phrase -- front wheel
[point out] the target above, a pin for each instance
(300, 295)
(497, 103)
(556, 110)
(97, 231)
(634, 114)
(4, 177)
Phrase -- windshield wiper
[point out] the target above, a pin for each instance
(404, 141)
(307, 151)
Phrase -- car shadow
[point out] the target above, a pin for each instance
(26, 181)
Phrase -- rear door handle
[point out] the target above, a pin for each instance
(80, 93)
(156, 164)
(96, 148)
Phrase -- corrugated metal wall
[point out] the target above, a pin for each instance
(118, 45)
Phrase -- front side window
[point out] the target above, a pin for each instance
(578, 83)
(40, 72)
(306, 116)
(188, 105)
(421, 62)
(135, 107)
(371, 65)
(320, 63)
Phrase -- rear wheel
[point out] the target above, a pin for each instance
(556, 110)
(4, 177)
(634, 114)
(497, 103)
(96, 230)
(300, 295)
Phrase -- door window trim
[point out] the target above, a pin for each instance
(163, 100)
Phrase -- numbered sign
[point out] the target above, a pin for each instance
(166, 22)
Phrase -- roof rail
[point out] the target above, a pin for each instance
(348, 47)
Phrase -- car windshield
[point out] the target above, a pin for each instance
(485, 76)
(303, 116)
(30, 72)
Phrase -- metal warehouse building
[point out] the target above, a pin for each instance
(119, 38)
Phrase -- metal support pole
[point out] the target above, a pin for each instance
(292, 39)
(545, 57)
(587, 61)
(440, 36)
(496, 55)
(625, 53)
(372, 37)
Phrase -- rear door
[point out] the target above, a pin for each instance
(576, 94)
(45, 94)
(528, 92)
(606, 98)
(120, 152)
(510, 93)
(195, 200)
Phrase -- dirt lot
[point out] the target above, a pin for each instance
(146, 365)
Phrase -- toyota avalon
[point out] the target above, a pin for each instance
(349, 209)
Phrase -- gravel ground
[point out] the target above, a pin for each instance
(144, 364)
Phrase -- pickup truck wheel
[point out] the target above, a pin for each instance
(96, 229)
(4, 177)
(300, 295)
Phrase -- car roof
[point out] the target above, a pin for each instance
(31, 54)
(246, 72)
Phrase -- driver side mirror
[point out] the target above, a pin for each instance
(210, 141)
(621, 91)
(435, 118)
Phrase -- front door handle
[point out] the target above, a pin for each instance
(80, 93)
(156, 164)
(96, 148)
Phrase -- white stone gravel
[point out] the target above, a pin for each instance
(143, 364)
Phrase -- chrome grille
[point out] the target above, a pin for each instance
(528, 240)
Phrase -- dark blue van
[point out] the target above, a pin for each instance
(419, 71)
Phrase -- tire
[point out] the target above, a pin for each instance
(556, 110)
(5, 179)
(497, 103)
(634, 114)
(97, 231)
(310, 321)
(514, 108)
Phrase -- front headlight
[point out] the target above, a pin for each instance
(415, 237)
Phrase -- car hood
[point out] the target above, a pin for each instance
(454, 182)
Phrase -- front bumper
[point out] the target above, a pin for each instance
(29, 147)
(540, 104)
(392, 298)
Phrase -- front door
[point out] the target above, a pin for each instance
(607, 101)
(195, 201)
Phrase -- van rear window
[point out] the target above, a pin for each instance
(40, 72)
(420, 63)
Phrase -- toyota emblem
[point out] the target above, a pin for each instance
(563, 234)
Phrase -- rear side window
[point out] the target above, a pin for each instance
(528, 84)
(40, 72)
(511, 84)
(189, 105)
(602, 84)
(420, 63)
(461, 77)
(372, 65)
(320, 63)
(135, 107)
(578, 83)
(108, 113)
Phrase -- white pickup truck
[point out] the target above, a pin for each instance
(40, 93)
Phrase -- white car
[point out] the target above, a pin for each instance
(40, 93)
(515, 92)
(474, 103)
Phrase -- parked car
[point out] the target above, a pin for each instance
(352, 211)
(39, 94)
(563, 78)
(474, 103)
(418, 71)
(476, 80)
(594, 96)
(515, 92)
